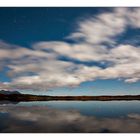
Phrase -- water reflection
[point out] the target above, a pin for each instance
(3, 103)
(44, 119)
(92, 108)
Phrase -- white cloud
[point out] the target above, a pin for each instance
(105, 26)
(38, 67)
(82, 52)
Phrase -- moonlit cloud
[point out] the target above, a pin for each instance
(41, 66)
(105, 26)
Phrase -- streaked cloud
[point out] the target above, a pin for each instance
(104, 27)
(39, 66)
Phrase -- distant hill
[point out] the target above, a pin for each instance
(9, 92)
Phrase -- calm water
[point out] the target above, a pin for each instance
(70, 116)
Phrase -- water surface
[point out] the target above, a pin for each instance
(70, 116)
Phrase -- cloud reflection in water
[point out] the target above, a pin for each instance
(43, 119)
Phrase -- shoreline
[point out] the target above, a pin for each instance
(29, 97)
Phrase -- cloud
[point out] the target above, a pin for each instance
(42, 119)
(41, 66)
(105, 26)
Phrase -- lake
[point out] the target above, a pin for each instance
(70, 117)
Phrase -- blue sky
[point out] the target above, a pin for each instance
(24, 26)
(99, 87)
(70, 51)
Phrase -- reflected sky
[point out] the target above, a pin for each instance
(70, 117)
(96, 108)
(43, 119)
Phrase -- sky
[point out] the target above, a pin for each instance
(70, 51)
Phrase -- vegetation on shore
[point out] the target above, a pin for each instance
(17, 96)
